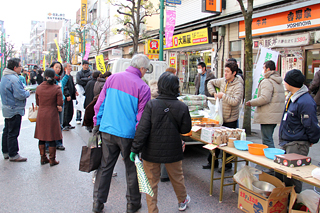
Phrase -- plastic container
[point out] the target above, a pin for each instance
(256, 149)
(243, 135)
(271, 152)
(241, 145)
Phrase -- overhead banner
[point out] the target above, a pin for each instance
(212, 6)
(170, 23)
(300, 39)
(195, 37)
(58, 51)
(100, 64)
(302, 18)
(83, 12)
(265, 55)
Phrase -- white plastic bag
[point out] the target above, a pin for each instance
(309, 198)
(316, 173)
(80, 99)
(246, 176)
(216, 111)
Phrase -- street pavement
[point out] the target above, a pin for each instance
(31, 187)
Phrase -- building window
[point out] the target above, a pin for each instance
(235, 46)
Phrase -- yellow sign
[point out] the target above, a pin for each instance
(72, 38)
(172, 62)
(58, 51)
(152, 47)
(83, 12)
(44, 63)
(153, 56)
(192, 38)
(100, 64)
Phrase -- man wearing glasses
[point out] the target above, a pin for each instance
(13, 97)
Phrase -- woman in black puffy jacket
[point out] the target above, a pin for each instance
(158, 138)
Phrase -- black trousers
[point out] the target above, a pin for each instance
(233, 125)
(68, 113)
(111, 148)
(10, 135)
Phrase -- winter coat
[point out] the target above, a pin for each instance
(314, 86)
(209, 76)
(156, 136)
(83, 77)
(153, 84)
(89, 113)
(270, 101)
(89, 92)
(13, 95)
(300, 122)
(39, 78)
(98, 86)
(33, 77)
(70, 89)
(121, 103)
(233, 93)
(48, 97)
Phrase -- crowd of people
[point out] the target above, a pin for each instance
(132, 117)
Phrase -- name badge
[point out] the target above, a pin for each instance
(284, 116)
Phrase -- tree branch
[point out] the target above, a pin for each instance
(243, 9)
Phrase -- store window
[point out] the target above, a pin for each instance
(235, 46)
(312, 64)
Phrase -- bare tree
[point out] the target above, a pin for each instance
(99, 29)
(8, 51)
(134, 13)
(247, 14)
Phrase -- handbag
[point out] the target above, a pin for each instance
(33, 113)
(90, 157)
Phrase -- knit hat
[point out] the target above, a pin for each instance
(294, 78)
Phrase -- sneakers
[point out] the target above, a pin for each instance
(78, 122)
(183, 205)
(60, 148)
(19, 159)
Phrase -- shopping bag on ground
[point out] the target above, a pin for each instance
(90, 156)
(144, 185)
(217, 111)
(33, 113)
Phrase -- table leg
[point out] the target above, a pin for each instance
(222, 174)
(213, 158)
(235, 171)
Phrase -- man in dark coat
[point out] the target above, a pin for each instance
(70, 94)
(39, 77)
(202, 79)
(314, 88)
(83, 77)
(33, 75)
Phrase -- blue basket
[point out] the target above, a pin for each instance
(242, 145)
(271, 152)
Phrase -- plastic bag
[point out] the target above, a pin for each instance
(216, 111)
(316, 173)
(310, 199)
(246, 176)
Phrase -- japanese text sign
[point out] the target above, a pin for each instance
(152, 47)
(195, 37)
(170, 23)
(83, 12)
(173, 1)
(300, 39)
(88, 47)
(212, 6)
(100, 64)
(302, 18)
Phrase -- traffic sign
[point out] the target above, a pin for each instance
(173, 1)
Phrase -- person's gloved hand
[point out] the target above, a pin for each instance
(95, 130)
(132, 156)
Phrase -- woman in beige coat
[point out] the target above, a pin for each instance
(269, 103)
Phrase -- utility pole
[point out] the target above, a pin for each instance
(83, 43)
(161, 29)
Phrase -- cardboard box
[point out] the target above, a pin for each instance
(207, 134)
(293, 199)
(250, 201)
(196, 131)
(292, 160)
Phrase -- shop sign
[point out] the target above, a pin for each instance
(303, 18)
(212, 6)
(283, 41)
(152, 46)
(116, 52)
(195, 37)
(173, 62)
(153, 57)
(56, 16)
(83, 12)
(100, 64)
(173, 1)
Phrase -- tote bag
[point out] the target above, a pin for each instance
(90, 157)
(33, 113)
